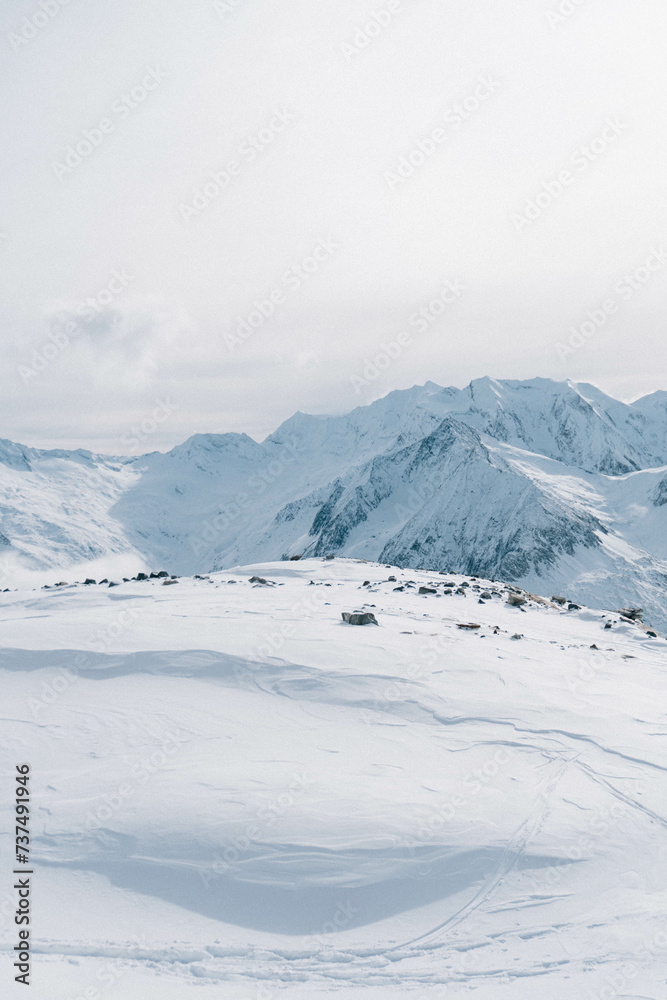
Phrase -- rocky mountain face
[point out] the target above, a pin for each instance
(554, 486)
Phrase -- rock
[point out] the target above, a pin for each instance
(486, 596)
(398, 588)
(329, 557)
(517, 636)
(574, 607)
(294, 558)
(448, 583)
(460, 590)
(464, 584)
(168, 583)
(366, 583)
(141, 576)
(608, 625)
(651, 633)
(88, 581)
(126, 579)
(103, 581)
(470, 625)
(427, 590)
(62, 583)
(359, 618)
(593, 646)
(391, 579)
(153, 576)
(163, 573)
(448, 590)
(632, 614)
(559, 600)
(258, 579)
(112, 584)
(515, 600)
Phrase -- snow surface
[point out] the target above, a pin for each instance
(235, 794)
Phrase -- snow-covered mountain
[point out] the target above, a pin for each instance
(553, 485)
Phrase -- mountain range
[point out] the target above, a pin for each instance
(555, 486)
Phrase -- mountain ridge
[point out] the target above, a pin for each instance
(546, 484)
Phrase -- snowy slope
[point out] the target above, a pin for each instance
(236, 794)
(552, 485)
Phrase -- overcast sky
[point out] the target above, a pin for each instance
(227, 211)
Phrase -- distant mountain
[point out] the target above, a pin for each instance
(553, 485)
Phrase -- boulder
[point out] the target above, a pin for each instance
(427, 590)
(559, 600)
(168, 583)
(359, 618)
(516, 600)
(632, 614)
(294, 558)
(89, 581)
(469, 625)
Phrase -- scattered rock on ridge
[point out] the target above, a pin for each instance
(427, 590)
(515, 600)
(633, 614)
(359, 618)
